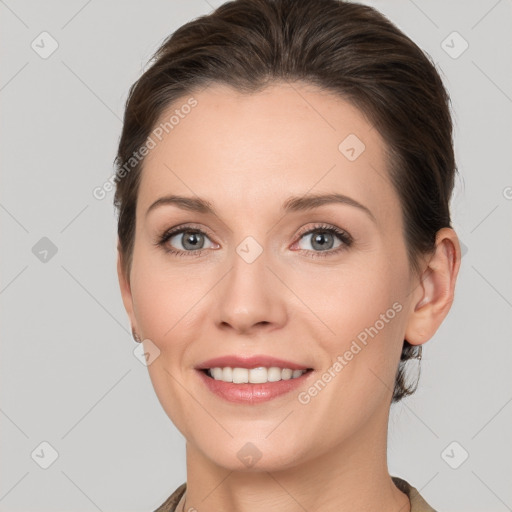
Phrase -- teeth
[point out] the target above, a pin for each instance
(227, 374)
(286, 374)
(216, 373)
(258, 375)
(240, 375)
(273, 374)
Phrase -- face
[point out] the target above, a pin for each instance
(323, 285)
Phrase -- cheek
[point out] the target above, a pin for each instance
(152, 300)
(351, 297)
(163, 295)
(363, 320)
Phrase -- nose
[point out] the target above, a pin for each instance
(251, 298)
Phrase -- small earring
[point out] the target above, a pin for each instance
(136, 337)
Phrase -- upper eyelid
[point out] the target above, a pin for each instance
(178, 230)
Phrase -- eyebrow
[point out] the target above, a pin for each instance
(292, 204)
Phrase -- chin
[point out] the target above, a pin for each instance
(242, 454)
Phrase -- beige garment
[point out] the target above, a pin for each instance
(418, 504)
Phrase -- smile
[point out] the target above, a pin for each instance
(258, 375)
(252, 379)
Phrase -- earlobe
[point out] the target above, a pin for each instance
(434, 293)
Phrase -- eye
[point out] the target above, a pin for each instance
(188, 240)
(323, 238)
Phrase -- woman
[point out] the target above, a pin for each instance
(283, 184)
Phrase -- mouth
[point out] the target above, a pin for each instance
(258, 375)
(252, 380)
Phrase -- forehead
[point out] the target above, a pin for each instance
(250, 151)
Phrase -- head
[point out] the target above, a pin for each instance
(249, 113)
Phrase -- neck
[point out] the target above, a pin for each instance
(352, 476)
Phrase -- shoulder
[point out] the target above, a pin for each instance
(418, 504)
(170, 503)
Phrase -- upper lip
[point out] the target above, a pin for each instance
(249, 362)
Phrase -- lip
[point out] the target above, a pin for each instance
(249, 362)
(251, 394)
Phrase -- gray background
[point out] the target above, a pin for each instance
(68, 373)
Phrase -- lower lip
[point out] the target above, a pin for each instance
(252, 393)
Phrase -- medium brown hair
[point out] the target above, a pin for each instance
(349, 49)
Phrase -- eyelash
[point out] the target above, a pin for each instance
(342, 235)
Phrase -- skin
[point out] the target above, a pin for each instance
(247, 154)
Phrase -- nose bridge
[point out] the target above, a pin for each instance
(248, 295)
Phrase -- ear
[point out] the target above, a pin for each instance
(124, 285)
(433, 296)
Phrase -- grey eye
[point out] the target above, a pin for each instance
(321, 240)
(190, 240)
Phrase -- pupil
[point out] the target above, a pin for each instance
(320, 239)
(193, 239)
